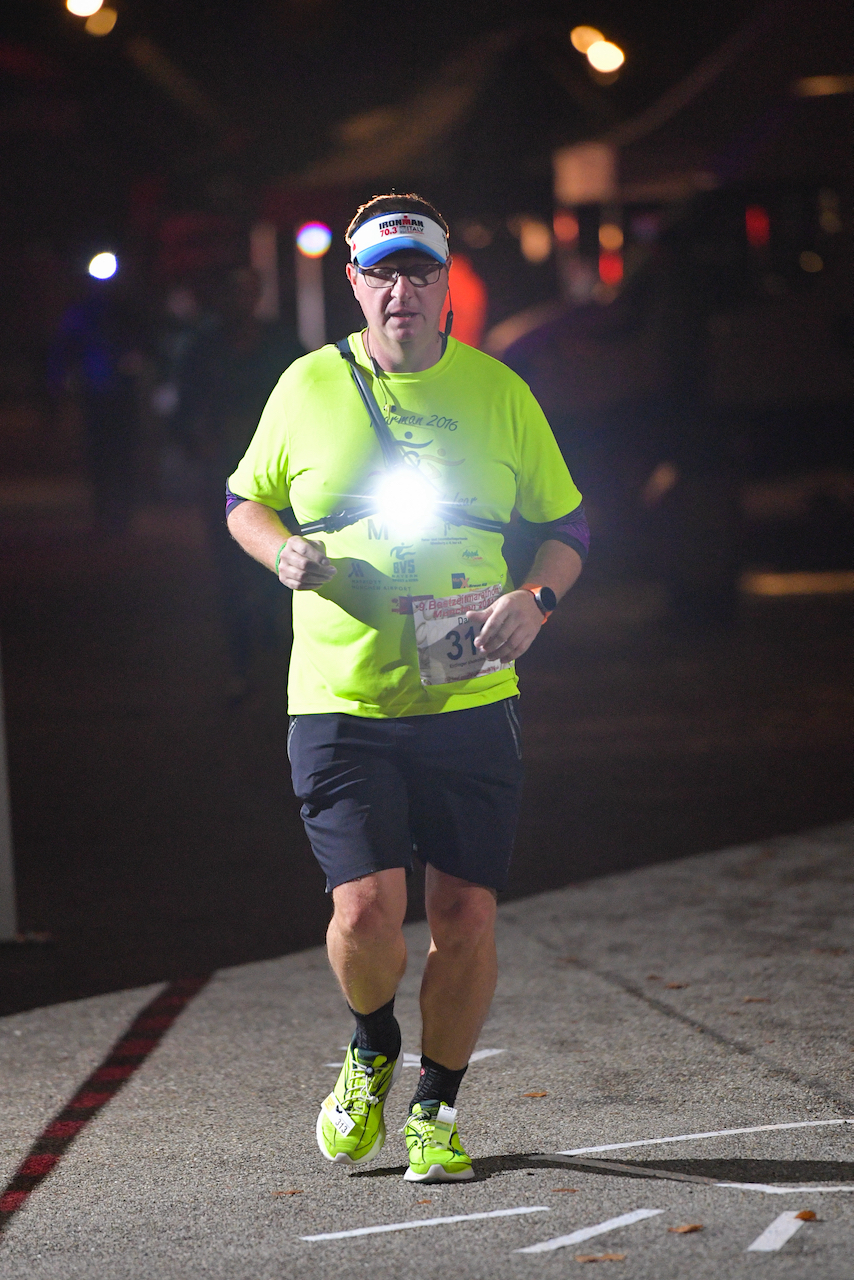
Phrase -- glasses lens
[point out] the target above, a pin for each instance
(424, 275)
(387, 277)
(379, 277)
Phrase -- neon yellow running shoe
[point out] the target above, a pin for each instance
(350, 1127)
(435, 1154)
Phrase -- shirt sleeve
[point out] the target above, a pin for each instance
(262, 473)
(545, 491)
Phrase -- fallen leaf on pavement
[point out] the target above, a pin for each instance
(423, 1201)
(653, 977)
(675, 986)
(683, 1231)
(295, 1192)
(600, 1257)
(568, 1189)
(806, 1215)
(535, 1094)
(756, 999)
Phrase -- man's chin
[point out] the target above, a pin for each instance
(405, 329)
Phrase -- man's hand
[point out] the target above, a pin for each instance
(303, 565)
(510, 626)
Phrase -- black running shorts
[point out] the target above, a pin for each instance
(446, 786)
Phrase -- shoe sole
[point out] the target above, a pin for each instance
(438, 1173)
(379, 1141)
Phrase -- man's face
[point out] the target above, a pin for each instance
(402, 312)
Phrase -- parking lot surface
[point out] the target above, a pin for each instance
(669, 1048)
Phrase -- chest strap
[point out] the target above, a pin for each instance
(447, 511)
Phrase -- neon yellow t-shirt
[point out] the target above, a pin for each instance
(473, 428)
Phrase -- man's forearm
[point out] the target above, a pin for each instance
(555, 565)
(258, 530)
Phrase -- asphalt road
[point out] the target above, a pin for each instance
(156, 834)
(676, 1002)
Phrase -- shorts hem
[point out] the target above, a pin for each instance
(368, 871)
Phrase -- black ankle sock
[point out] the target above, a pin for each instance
(437, 1083)
(378, 1031)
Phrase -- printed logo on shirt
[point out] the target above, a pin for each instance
(404, 561)
(473, 555)
(459, 581)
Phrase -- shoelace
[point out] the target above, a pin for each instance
(358, 1086)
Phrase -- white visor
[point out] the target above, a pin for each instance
(392, 232)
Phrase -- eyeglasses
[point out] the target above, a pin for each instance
(387, 277)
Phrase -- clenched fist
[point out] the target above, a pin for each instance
(303, 565)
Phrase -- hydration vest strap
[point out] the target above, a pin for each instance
(387, 442)
(448, 511)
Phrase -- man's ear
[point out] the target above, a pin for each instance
(351, 275)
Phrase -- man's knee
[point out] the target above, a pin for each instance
(371, 907)
(460, 915)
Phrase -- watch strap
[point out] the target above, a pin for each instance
(535, 588)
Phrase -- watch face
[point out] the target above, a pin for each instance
(548, 599)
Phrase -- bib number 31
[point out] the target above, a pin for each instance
(445, 637)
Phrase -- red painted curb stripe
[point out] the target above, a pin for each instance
(126, 1057)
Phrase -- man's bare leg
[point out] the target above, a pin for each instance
(461, 969)
(364, 940)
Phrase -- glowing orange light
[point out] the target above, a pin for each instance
(604, 56)
(83, 8)
(535, 239)
(102, 22)
(757, 226)
(565, 227)
(610, 237)
(610, 267)
(583, 37)
(811, 261)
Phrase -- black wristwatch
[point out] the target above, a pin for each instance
(544, 596)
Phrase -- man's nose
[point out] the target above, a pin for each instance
(402, 287)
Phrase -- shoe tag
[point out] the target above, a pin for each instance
(443, 1126)
(337, 1116)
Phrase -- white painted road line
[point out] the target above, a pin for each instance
(587, 1233)
(781, 1191)
(714, 1133)
(775, 1236)
(433, 1222)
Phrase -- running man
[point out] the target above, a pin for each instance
(404, 735)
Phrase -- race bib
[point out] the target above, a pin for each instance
(445, 637)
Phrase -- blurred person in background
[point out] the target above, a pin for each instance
(223, 382)
(97, 358)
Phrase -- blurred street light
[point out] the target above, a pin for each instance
(605, 56)
(583, 37)
(103, 266)
(535, 239)
(811, 261)
(83, 8)
(565, 227)
(610, 237)
(312, 243)
(757, 225)
(102, 22)
(822, 86)
(314, 239)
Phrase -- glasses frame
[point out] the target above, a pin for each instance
(373, 283)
